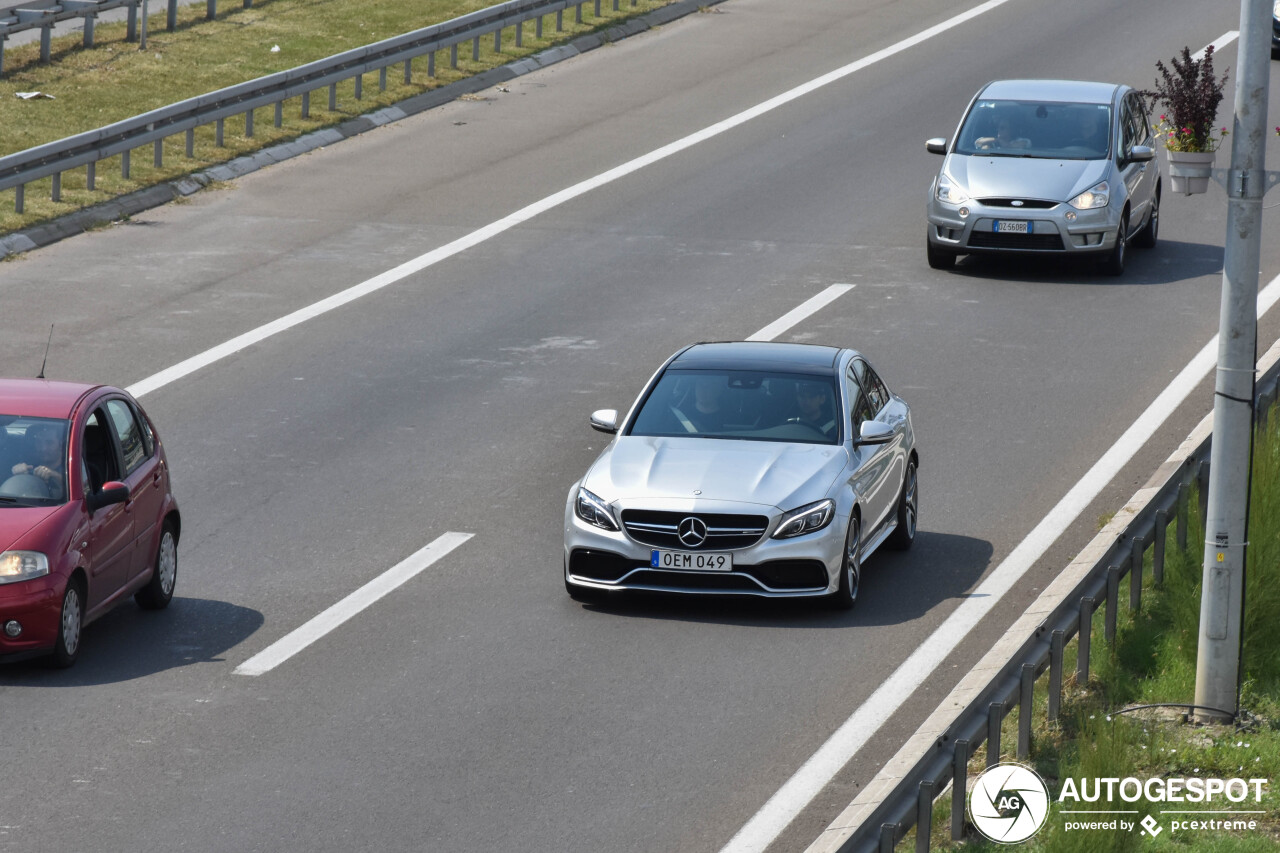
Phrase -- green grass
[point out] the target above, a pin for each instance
(114, 80)
(1153, 660)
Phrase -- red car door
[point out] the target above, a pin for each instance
(108, 546)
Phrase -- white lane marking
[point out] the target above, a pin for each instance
(298, 639)
(802, 311)
(1218, 44)
(853, 734)
(302, 315)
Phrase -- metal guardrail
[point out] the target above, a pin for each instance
(884, 818)
(89, 148)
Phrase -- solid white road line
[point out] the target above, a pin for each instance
(853, 734)
(1217, 44)
(804, 310)
(292, 643)
(302, 315)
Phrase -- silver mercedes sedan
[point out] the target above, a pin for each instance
(746, 468)
(1050, 167)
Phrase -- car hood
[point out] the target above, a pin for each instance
(17, 521)
(984, 176)
(776, 474)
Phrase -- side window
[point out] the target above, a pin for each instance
(861, 409)
(99, 454)
(1142, 133)
(878, 394)
(132, 445)
(1126, 127)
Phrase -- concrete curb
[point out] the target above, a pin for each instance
(981, 679)
(125, 206)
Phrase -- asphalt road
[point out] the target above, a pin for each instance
(477, 708)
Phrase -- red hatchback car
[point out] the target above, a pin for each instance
(87, 516)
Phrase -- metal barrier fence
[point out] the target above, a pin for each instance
(89, 148)
(904, 794)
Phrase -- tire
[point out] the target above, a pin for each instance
(939, 259)
(1114, 263)
(158, 592)
(908, 509)
(1146, 238)
(850, 567)
(70, 626)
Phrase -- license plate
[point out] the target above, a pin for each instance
(683, 561)
(1012, 226)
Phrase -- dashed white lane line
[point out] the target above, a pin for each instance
(803, 311)
(297, 640)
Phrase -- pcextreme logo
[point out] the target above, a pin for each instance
(1009, 803)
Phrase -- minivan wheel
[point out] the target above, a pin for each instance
(939, 258)
(1146, 238)
(1114, 264)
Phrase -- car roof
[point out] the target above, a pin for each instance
(1074, 91)
(758, 355)
(41, 398)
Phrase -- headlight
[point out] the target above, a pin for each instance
(18, 566)
(806, 519)
(1094, 197)
(591, 509)
(950, 192)
(1275, 9)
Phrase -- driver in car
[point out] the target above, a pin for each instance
(46, 451)
(813, 399)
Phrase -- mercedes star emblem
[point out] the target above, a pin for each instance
(692, 532)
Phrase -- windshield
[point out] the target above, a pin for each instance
(33, 461)
(738, 404)
(1050, 131)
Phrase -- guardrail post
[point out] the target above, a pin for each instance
(89, 20)
(577, 14)
(56, 195)
(559, 20)
(382, 79)
(333, 97)
(248, 124)
(888, 837)
(1202, 478)
(1181, 513)
(537, 27)
(132, 28)
(453, 56)
(359, 86)
(1057, 642)
(1161, 533)
(210, 9)
(1027, 692)
(19, 198)
(2, 38)
(475, 49)
(497, 40)
(191, 142)
(218, 132)
(91, 176)
(431, 67)
(279, 116)
(124, 164)
(519, 33)
(1113, 603)
(248, 4)
(615, 5)
(158, 158)
(171, 16)
(1136, 548)
(924, 814)
(995, 716)
(959, 787)
(1084, 640)
(46, 42)
(596, 10)
(306, 105)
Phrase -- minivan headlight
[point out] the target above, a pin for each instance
(1094, 197)
(18, 566)
(950, 191)
(806, 519)
(592, 509)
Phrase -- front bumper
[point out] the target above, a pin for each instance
(803, 567)
(1051, 228)
(36, 604)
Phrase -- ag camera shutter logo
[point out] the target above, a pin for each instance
(1009, 803)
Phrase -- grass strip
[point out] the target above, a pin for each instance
(114, 80)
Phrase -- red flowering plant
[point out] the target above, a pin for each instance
(1190, 96)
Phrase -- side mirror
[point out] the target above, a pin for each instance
(113, 492)
(605, 420)
(874, 432)
(937, 145)
(1141, 153)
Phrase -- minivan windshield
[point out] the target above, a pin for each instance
(33, 461)
(742, 404)
(1051, 130)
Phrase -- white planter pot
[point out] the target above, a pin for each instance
(1189, 171)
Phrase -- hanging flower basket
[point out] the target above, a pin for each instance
(1189, 171)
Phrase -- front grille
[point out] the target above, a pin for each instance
(1027, 203)
(998, 240)
(693, 580)
(724, 531)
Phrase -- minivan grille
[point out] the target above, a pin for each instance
(989, 240)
